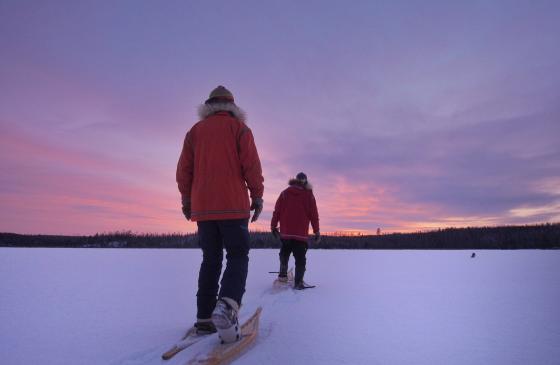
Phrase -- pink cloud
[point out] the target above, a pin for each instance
(52, 189)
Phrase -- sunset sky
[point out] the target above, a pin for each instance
(405, 115)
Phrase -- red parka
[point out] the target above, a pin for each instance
(218, 164)
(295, 209)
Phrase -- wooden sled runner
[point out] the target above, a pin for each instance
(189, 339)
(226, 353)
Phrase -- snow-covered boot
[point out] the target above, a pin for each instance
(225, 319)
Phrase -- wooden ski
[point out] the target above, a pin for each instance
(222, 354)
(190, 338)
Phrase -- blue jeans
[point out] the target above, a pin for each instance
(214, 236)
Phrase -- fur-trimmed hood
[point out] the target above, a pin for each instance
(296, 182)
(205, 110)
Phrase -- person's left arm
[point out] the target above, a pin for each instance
(313, 213)
(251, 169)
(184, 175)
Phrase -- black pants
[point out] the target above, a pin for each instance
(213, 237)
(299, 249)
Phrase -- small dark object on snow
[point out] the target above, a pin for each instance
(473, 255)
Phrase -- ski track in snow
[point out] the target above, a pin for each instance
(126, 307)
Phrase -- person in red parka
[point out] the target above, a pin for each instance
(294, 210)
(219, 166)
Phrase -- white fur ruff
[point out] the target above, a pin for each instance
(205, 110)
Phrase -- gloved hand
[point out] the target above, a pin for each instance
(186, 208)
(317, 237)
(275, 233)
(257, 206)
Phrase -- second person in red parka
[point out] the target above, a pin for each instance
(294, 210)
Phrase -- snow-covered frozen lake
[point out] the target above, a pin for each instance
(117, 307)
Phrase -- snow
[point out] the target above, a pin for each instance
(126, 307)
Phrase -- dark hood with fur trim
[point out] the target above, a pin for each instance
(206, 110)
(296, 182)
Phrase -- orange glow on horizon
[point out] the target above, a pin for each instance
(84, 193)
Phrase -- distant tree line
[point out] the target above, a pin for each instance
(542, 236)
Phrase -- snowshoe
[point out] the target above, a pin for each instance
(196, 333)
